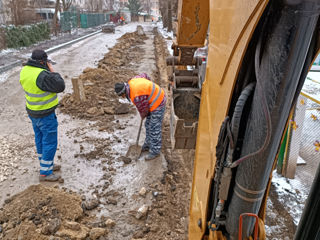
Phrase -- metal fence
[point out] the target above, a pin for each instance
(68, 21)
(73, 19)
(298, 159)
(92, 19)
(300, 149)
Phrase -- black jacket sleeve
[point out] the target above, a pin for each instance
(50, 82)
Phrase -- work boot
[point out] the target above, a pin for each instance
(144, 148)
(56, 167)
(49, 178)
(151, 156)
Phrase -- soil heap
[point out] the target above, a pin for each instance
(101, 102)
(40, 212)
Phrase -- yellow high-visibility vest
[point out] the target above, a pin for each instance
(36, 99)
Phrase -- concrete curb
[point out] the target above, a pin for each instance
(9, 66)
(49, 50)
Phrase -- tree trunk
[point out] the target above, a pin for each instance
(164, 14)
(55, 24)
(169, 16)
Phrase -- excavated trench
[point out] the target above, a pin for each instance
(103, 195)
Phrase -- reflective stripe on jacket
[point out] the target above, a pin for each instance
(141, 87)
(36, 99)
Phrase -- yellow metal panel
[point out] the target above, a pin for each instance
(231, 26)
(193, 18)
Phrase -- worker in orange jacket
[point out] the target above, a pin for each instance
(150, 101)
(122, 20)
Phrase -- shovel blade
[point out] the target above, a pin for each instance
(134, 152)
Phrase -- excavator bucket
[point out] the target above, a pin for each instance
(185, 107)
(184, 118)
(185, 78)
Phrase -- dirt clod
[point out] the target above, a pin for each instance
(110, 223)
(95, 233)
(90, 204)
(143, 192)
(124, 159)
(51, 227)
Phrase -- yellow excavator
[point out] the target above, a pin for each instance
(259, 53)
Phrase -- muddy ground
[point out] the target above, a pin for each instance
(103, 196)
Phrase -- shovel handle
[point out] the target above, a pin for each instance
(139, 132)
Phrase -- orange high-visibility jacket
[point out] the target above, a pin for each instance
(144, 87)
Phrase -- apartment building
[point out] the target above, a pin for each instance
(25, 11)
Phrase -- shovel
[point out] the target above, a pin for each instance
(134, 151)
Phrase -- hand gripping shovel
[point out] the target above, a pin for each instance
(134, 151)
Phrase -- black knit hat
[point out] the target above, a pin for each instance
(120, 88)
(39, 55)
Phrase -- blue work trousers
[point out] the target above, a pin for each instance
(46, 138)
(153, 126)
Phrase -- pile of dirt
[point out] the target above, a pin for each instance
(38, 211)
(42, 212)
(99, 101)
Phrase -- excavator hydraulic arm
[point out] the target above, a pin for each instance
(258, 57)
(193, 19)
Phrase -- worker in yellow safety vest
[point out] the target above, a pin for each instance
(41, 85)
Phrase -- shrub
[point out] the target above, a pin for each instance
(24, 36)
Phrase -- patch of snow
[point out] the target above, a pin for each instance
(312, 85)
(167, 35)
(121, 147)
(292, 194)
(124, 100)
(8, 50)
(4, 76)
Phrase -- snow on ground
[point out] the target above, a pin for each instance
(7, 50)
(295, 188)
(293, 193)
(312, 85)
(4, 76)
(167, 35)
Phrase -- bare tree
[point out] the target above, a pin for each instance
(55, 24)
(175, 4)
(3, 13)
(164, 12)
(109, 4)
(99, 5)
(90, 4)
(66, 4)
(17, 10)
(39, 3)
(95, 5)
(169, 16)
(147, 6)
(166, 9)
